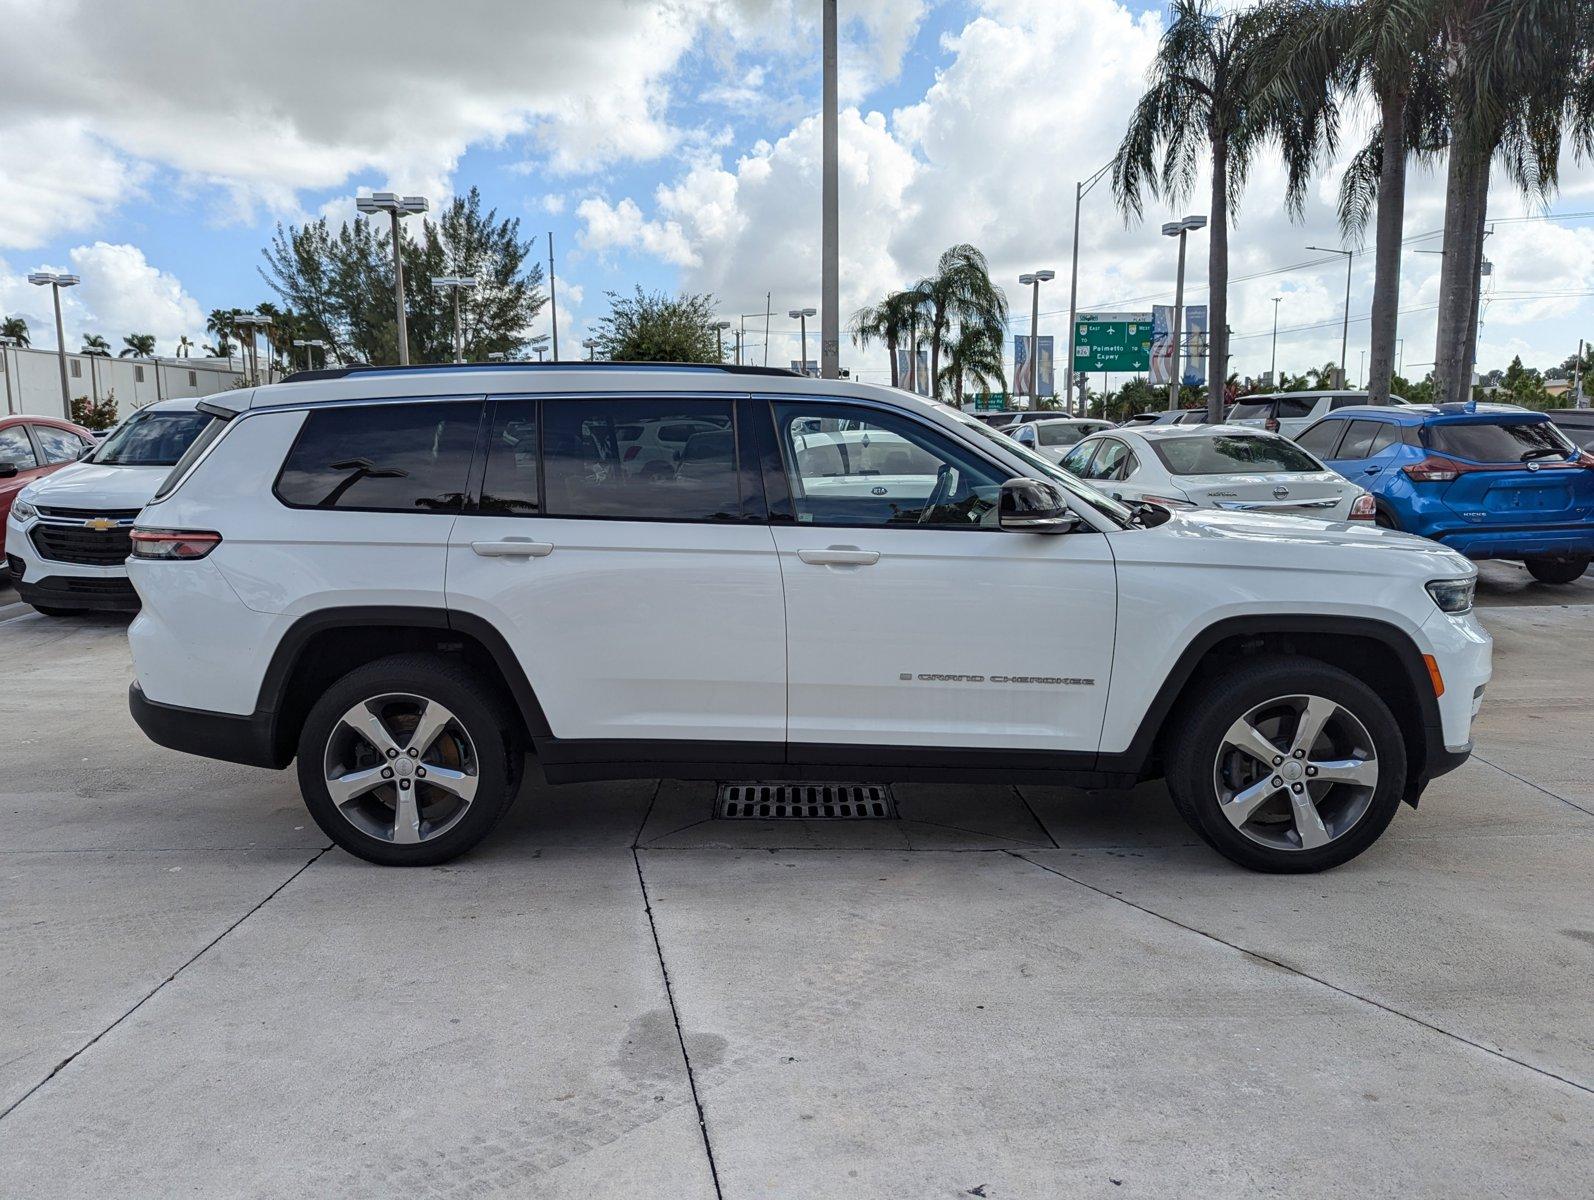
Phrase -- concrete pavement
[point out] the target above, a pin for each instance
(1035, 992)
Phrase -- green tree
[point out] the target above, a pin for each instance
(1217, 84)
(15, 327)
(974, 355)
(139, 345)
(1523, 385)
(1517, 81)
(890, 322)
(654, 327)
(1415, 391)
(960, 290)
(222, 325)
(93, 343)
(185, 347)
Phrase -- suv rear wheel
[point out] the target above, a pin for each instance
(1287, 765)
(1557, 570)
(408, 761)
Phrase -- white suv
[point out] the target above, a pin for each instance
(406, 577)
(1290, 413)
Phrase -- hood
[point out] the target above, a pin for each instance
(1252, 539)
(90, 485)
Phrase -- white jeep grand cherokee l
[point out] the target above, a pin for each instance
(407, 577)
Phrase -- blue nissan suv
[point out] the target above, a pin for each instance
(1487, 480)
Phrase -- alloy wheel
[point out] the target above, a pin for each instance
(1296, 772)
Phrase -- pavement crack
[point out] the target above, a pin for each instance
(71, 1058)
(1536, 787)
(1035, 816)
(675, 1015)
(636, 839)
(1307, 975)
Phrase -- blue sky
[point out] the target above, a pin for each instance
(667, 143)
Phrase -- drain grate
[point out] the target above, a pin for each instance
(805, 802)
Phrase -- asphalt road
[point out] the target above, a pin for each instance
(1007, 993)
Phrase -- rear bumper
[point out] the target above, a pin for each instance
(78, 591)
(1527, 542)
(249, 740)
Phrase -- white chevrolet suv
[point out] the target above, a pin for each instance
(406, 578)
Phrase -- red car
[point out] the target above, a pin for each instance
(30, 448)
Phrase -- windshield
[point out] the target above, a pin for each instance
(1227, 454)
(1063, 434)
(1041, 468)
(1516, 441)
(1243, 411)
(151, 439)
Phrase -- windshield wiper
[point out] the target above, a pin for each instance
(1542, 452)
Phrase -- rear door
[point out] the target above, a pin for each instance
(1519, 470)
(640, 592)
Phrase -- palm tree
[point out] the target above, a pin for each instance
(974, 354)
(1218, 79)
(888, 322)
(1516, 76)
(960, 290)
(185, 348)
(93, 343)
(139, 345)
(222, 325)
(15, 327)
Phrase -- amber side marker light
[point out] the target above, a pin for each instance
(1434, 675)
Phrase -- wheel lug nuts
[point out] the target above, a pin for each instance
(392, 753)
(404, 785)
(1311, 770)
(413, 752)
(387, 772)
(1277, 758)
(1278, 781)
(1300, 754)
(1295, 787)
(420, 772)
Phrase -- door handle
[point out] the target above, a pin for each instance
(1372, 470)
(513, 548)
(837, 556)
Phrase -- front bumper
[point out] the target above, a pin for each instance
(77, 591)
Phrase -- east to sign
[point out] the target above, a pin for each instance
(1112, 341)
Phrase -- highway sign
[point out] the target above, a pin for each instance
(1112, 341)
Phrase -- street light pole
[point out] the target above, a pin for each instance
(1033, 281)
(830, 252)
(1081, 190)
(553, 301)
(1344, 334)
(719, 339)
(802, 315)
(396, 206)
(55, 282)
(592, 349)
(1179, 229)
(1273, 369)
(455, 284)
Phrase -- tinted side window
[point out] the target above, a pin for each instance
(382, 458)
(641, 460)
(1388, 435)
(1295, 406)
(15, 448)
(1110, 461)
(509, 487)
(1321, 438)
(1359, 437)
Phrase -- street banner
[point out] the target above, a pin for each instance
(909, 378)
(1161, 345)
(1195, 345)
(1021, 367)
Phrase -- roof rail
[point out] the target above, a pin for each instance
(414, 368)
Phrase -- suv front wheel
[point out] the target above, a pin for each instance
(1287, 765)
(406, 761)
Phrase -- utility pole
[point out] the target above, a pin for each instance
(553, 300)
(1577, 377)
(830, 249)
(55, 282)
(1081, 190)
(767, 296)
(1273, 370)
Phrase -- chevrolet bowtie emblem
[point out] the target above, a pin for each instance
(99, 524)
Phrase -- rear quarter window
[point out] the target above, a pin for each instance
(382, 458)
(1251, 412)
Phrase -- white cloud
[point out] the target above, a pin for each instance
(621, 226)
(121, 293)
(55, 175)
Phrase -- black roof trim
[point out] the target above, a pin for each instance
(415, 368)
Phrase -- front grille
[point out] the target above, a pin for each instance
(86, 514)
(77, 586)
(75, 544)
(805, 802)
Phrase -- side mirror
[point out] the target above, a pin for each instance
(85, 452)
(1031, 506)
(8, 470)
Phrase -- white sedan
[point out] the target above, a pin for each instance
(1217, 466)
(1055, 436)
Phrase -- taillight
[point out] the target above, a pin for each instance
(1364, 508)
(1433, 469)
(174, 543)
(1271, 424)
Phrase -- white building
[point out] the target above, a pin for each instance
(32, 380)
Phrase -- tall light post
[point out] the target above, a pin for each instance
(395, 206)
(719, 339)
(591, 348)
(254, 322)
(802, 315)
(1081, 190)
(1273, 370)
(455, 284)
(5, 368)
(1344, 330)
(309, 344)
(1179, 229)
(739, 334)
(1033, 281)
(55, 282)
(830, 249)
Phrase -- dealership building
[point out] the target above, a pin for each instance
(32, 380)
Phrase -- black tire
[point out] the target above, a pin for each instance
(1205, 715)
(1557, 570)
(1384, 519)
(491, 732)
(51, 610)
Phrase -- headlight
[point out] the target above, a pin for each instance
(1452, 595)
(23, 511)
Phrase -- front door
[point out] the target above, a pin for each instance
(622, 551)
(912, 618)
